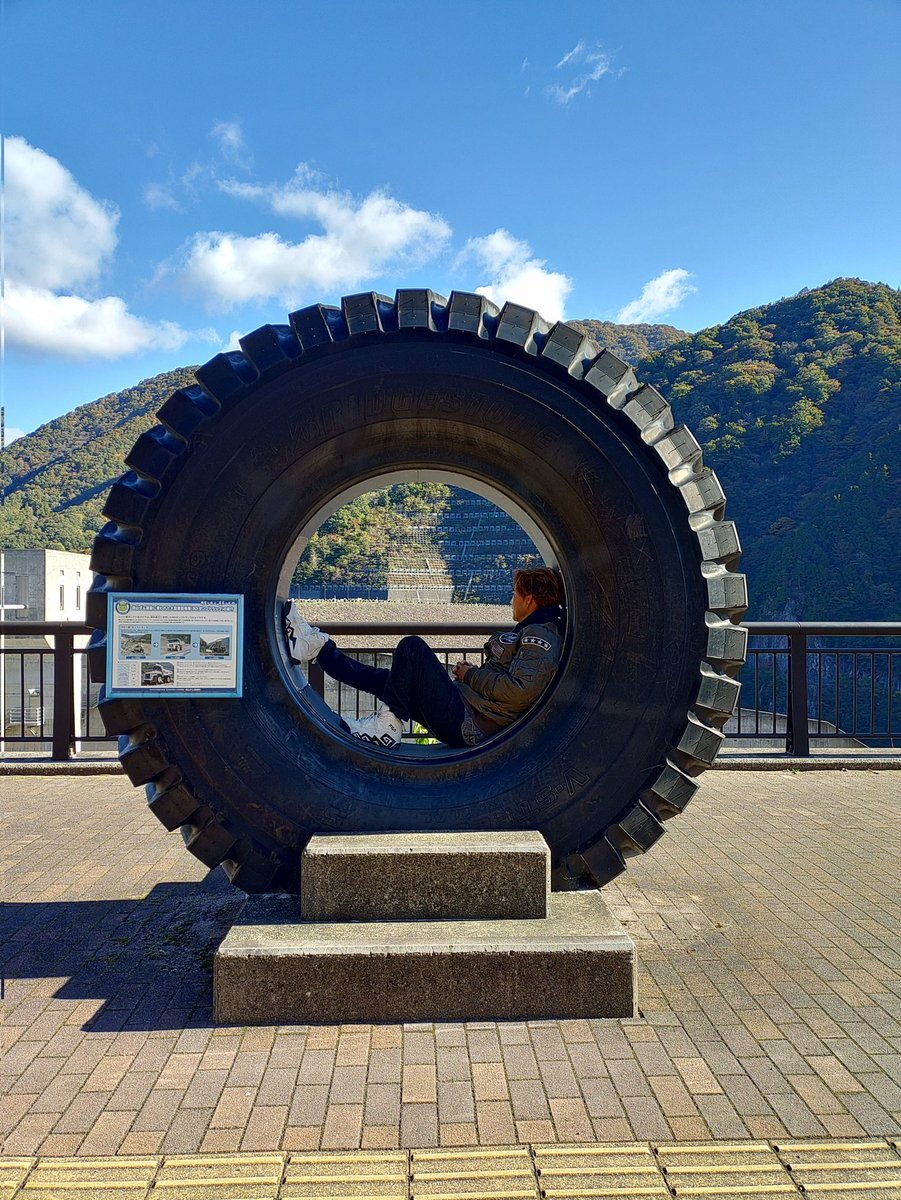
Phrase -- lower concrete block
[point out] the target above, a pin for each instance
(273, 968)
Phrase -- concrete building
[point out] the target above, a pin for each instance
(44, 585)
(39, 585)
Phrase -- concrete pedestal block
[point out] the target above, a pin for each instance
(423, 876)
(275, 968)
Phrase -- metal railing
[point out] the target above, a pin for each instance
(802, 686)
(815, 687)
(46, 697)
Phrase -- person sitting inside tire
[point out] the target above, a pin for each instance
(479, 701)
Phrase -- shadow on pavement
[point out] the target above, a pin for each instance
(150, 961)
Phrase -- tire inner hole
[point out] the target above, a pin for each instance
(407, 547)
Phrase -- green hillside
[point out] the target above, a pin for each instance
(798, 407)
(56, 478)
(797, 404)
(634, 343)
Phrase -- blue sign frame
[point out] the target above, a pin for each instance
(179, 645)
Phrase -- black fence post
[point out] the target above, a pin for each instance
(63, 695)
(316, 677)
(797, 739)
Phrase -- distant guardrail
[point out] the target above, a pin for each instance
(805, 685)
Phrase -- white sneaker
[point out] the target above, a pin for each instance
(381, 728)
(304, 640)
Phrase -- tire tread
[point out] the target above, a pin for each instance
(318, 329)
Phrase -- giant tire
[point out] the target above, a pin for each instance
(216, 493)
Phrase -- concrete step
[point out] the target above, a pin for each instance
(425, 876)
(274, 968)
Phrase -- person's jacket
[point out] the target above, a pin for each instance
(519, 665)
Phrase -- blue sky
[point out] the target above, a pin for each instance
(177, 173)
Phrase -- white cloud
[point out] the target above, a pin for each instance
(658, 297)
(13, 434)
(360, 240)
(516, 276)
(575, 55)
(200, 174)
(234, 341)
(157, 196)
(57, 234)
(195, 177)
(76, 327)
(59, 240)
(230, 138)
(591, 63)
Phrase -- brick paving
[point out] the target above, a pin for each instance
(767, 932)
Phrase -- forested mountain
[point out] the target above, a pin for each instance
(55, 480)
(634, 343)
(797, 404)
(353, 547)
(798, 407)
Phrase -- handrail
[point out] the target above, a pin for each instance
(797, 720)
(30, 628)
(798, 655)
(400, 628)
(432, 628)
(64, 633)
(825, 628)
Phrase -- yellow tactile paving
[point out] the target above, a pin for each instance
(853, 1170)
(351, 1176)
(676, 1149)
(220, 1177)
(94, 1178)
(730, 1169)
(481, 1174)
(630, 1169)
(867, 1169)
(13, 1172)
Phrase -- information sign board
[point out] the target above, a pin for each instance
(174, 644)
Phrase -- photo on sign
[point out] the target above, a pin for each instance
(215, 646)
(157, 674)
(175, 643)
(134, 645)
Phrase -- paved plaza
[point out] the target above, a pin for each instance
(766, 923)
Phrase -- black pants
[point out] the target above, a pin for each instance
(416, 687)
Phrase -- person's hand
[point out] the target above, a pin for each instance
(461, 668)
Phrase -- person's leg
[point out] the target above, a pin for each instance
(384, 727)
(420, 688)
(417, 685)
(305, 643)
(341, 667)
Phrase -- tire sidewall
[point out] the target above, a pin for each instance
(249, 481)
